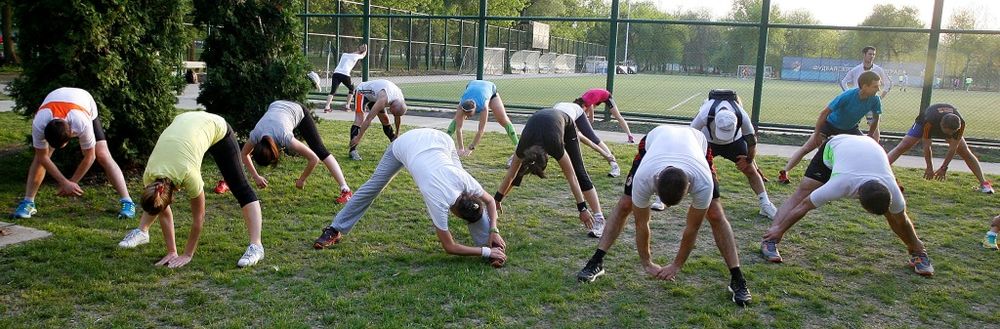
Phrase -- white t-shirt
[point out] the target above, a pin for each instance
(432, 160)
(700, 121)
(574, 111)
(855, 160)
(346, 63)
(370, 90)
(851, 79)
(278, 122)
(680, 147)
(80, 119)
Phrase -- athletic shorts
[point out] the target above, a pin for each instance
(817, 169)
(730, 151)
(829, 130)
(98, 130)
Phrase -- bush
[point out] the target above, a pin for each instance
(125, 53)
(254, 57)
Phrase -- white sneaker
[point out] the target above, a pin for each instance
(253, 255)
(134, 238)
(658, 206)
(598, 229)
(354, 155)
(768, 210)
(615, 170)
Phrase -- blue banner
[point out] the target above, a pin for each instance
(832, 70)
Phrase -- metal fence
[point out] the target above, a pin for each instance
(784, 81)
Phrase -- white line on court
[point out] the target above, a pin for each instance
(684, 101)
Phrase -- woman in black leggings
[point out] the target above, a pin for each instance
(550, 132)
(274, 133)
(175, 165)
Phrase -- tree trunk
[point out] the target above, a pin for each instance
(9, 55)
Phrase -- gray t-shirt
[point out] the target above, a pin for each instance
(278, 122)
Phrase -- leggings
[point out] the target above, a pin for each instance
(307, 127)
(341, 79)
(583, 124)
(226, 154)
(572, 145)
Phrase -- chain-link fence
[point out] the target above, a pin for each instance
(661, 66)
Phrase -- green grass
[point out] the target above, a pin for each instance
(785, 102)
(843, 268)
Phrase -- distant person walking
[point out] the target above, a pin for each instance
(342, 75)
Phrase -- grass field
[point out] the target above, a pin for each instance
(843, 268)
(786, 102)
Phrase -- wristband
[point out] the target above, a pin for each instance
(497, 197)
(486, 252)
(582, 206)
(495, 230)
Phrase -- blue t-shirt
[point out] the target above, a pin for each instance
(479, 91)
(848, 108)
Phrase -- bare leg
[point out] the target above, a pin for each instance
(36, 174)
(901, 225)
(616, 223)
(252, 218)
(621, 120)
(592, 200)
(970, 160)
(722, 232)
(753, 177)
(904, 145)
(111, 169)
(335, 171)
(811, 144)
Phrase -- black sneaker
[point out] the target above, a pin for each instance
(590, 272)
(329, 237)
(741, 295)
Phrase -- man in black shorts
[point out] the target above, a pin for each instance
(342, 75)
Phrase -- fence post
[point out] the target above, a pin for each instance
(481, 40)
(339, 10)
(932, 50)
(366, 35)
(758, 83)
(427, 48)
(612, 49)
(305, 30)
(444, 52)
(388, 41)
(409, 43)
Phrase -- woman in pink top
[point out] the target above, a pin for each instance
(597, 96)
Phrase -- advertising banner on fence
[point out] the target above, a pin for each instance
(832, 70)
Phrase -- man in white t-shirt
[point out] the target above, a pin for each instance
(850, 80)
(731, 135)
(342, 75)
(67, 113)
(431, 158)
(672, 162)
(849, 166)
(374, 98)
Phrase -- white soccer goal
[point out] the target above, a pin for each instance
(746, 71)
(492, 61)
(546, 63)
(595, 64)
(524, 61)
(566, 63)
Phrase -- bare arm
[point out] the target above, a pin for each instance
(311, 158)
(491, 211)
(567, 169)
(822, 117)
(377, 108)
(454, 248)
(928, 158)
(694, 219)
(89, 155)
(459, 139)
(66, 186)
(248, 163)
(873, 127)
(197, 221)
(483, 117)
(508, 179)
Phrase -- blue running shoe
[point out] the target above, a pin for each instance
(127, 211)
(24, 209)
(990, 242)
(921, 264)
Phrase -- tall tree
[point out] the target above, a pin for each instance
(9, 53)
(741, 42)
(125, 53)
(893, 44)
(702, 42)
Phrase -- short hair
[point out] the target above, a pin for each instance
(671, 185)
(867, 78)
(468, 105)
(951, 121)
(57, 133)
(469, 207)
(535, 160)
(867, 48)
(157, 196)
(874, 197)
(266, 152)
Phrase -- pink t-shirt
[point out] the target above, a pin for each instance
(594, 96)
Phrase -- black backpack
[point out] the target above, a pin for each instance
(719, 96)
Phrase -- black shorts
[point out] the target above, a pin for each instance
(817, 169)
(829, 130)
(730, 151)
(98, 130)
(341, 79)
(642, 152)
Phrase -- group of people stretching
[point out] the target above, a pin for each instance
(671, 162)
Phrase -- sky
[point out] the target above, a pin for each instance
(851, 12)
